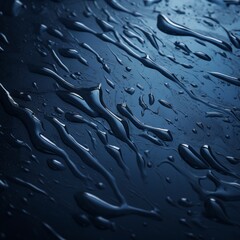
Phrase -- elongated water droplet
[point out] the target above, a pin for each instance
(55, 164)
(167, 26)
(227, 78)
(202, 55)
(190, 156)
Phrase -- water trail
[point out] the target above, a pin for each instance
(234, 2)
(116, 56)
(151, 138)
(190, 156)
(94, 98)
(98, 207)
(99, 58)
(146, 61)
(116, 5)
(93, 139)
(110, 18)
(131, 34)
(116, 153)
(76, 118)
(50, 73)
(227, 78)
(166, 104)
(110, 83)
(214, 115)
(3, 38)
(165, 25)
(149, 36)
(204, 161)
(207, 154)
(28, 185)
(224, 190)
(59, 62)
(131, 44)
(103, 223)
(72, 53)
(151, 2)
(102, 136)
(35, 130)
(232, 37)
(163, 134)
(142, 104)
(77, 101)
(3, 185)
(53, 232)
(86, 156)
(14, 142)
(53, 32)
(182, 46)
(105, 26)
(233, 160)
(203, 56)
(187, 51)
(214, 209)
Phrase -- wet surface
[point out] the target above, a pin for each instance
(120, 119)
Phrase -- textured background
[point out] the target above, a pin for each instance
(138, 60)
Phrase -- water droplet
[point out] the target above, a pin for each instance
(165, 25)
(202, 55)
(85, 155)
(72, 53)
(98, 207)
(227, 78)
(55, 164)
(116, 5)
(163, 134)
(151, 98)
(110, 83)
(190, 156)
(130, 90)
(185, 202)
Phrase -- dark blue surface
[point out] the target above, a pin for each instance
(119, 119)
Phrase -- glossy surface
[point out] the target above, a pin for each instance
(120, 119)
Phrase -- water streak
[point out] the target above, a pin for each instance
(35, 130)
(166, 25)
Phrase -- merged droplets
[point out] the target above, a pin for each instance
(72, 53)
(35, 130)
(97, 115)
(98, 207)
(205, 160)
(118, 6)
(163, 134)
(191, 157)
(168, 26)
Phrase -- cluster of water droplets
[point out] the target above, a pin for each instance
(86, 82)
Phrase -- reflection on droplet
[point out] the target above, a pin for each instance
(55, 164)
(167, 26)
